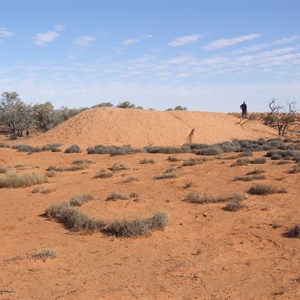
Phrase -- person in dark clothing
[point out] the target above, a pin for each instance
(243, 107)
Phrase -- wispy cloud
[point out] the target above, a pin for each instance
(287, 40)
(84, 40)
(222, 43)
(4, 33)
(128, 42)
(42, 39)
(184, 40)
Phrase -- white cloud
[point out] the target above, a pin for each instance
(184, 40)
(287, 40)
(84, 40)
(4, 33)
(42, 39)
(128, 42)
(222, 43)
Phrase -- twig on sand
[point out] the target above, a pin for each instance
(7, 291)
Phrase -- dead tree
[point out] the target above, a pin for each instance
(190, 136)
(280, 119)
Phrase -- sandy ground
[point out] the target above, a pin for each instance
(203, 253)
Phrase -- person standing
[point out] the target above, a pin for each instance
(243, 107)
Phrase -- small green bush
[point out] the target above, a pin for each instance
(13, 180)
(78, 200)
(260, 189)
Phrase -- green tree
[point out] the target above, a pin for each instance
(43, 116)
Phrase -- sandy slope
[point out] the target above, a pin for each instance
(139, 128)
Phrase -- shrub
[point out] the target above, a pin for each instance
(51, 147)
(4, 145)
(166, 150)
(117, 166)
(112, 150)
(73, 149)
(259, 160)
(115, 196)
(250, 177)
(78, 200)
(45, 253)
(27, 148)
(72, 218)
(260, 189)
(203, 199)
(295, 169)
(188, 184)
(75, 167)
(292, 232)
(169, 173)
(13, 180)
(104, 174)
(137, 227)
(215, 150)
(246, 154)
(83, 162)
(256, 172)
(193, 161)
(3, 170)
(131, 179)
(234, 204)
(241, 162)
(147, 161)
(173, 159)
(50, 174)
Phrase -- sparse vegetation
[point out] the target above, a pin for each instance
(173, 159)
(78, 200)
(13, 180)
(259, 160)
(203, 199)
(52, 147)
(3, 170)
(104, 174)
(131, 179)
(256, 172)
(112, 150)
(250, 177)
(295, 169)
(293, 232)
(4, 145)
(116, 196)
(169, 173)
(147, 161)
(260, 189)
(241, 162)
(193, 161)
(74, 167)
(117, 166)
(73, 149)
(45, 253)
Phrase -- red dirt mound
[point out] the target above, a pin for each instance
(139, 128)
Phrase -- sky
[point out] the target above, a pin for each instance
(203, 55)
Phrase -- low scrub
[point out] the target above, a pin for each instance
(104, 174)
(116, 196)
(260, 189)
(256, 172)
(83, 162)
(13, 180)
(203, 199)
(4, 145)
(3, 170)
(78, 200)
(45, 253)
(173, 159)
(167, 150)
(137, 227)
(193, 161)
(75, 220)
(131, 179)
(147, 161)
(215, 150)
(117, 166)
(72, 218)
(259, 160)
(295, 169)
(293, 232)
(241, 162)
(27, 148)
(250, 177)
(112, 150)
(74, 167)
(52, 147)
(169, 173)
(234, 205)
(73, 149)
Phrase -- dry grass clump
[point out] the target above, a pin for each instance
(116, 196)
(137, 227)
(292, 232)
(260, 189)
(256, 172)
(26, 148)
(131, 179)
(295, 169)
(235, 203)
(250, 177)
(148, 161)
(173, 159)
(43, 190)
(74, 167)
(214, 150)
(117, 166)
(45, 253)
(245, 154)
(104, 174)
(83, 162)
(203, 199)
(4, 145)
(193, 161)
(73, 149)
(13, 180)
(72, 218)
(167, 150)
(169, 173)
(78, 200)
(52, 147)
(112, 150)
(259, 160)
(50, 174)
(187, 184)
(241, 162)
(3, 170)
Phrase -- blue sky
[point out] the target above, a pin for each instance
(205, 55)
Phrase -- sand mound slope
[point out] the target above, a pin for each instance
(139, 128)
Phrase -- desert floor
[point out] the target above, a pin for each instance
(204, 252)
